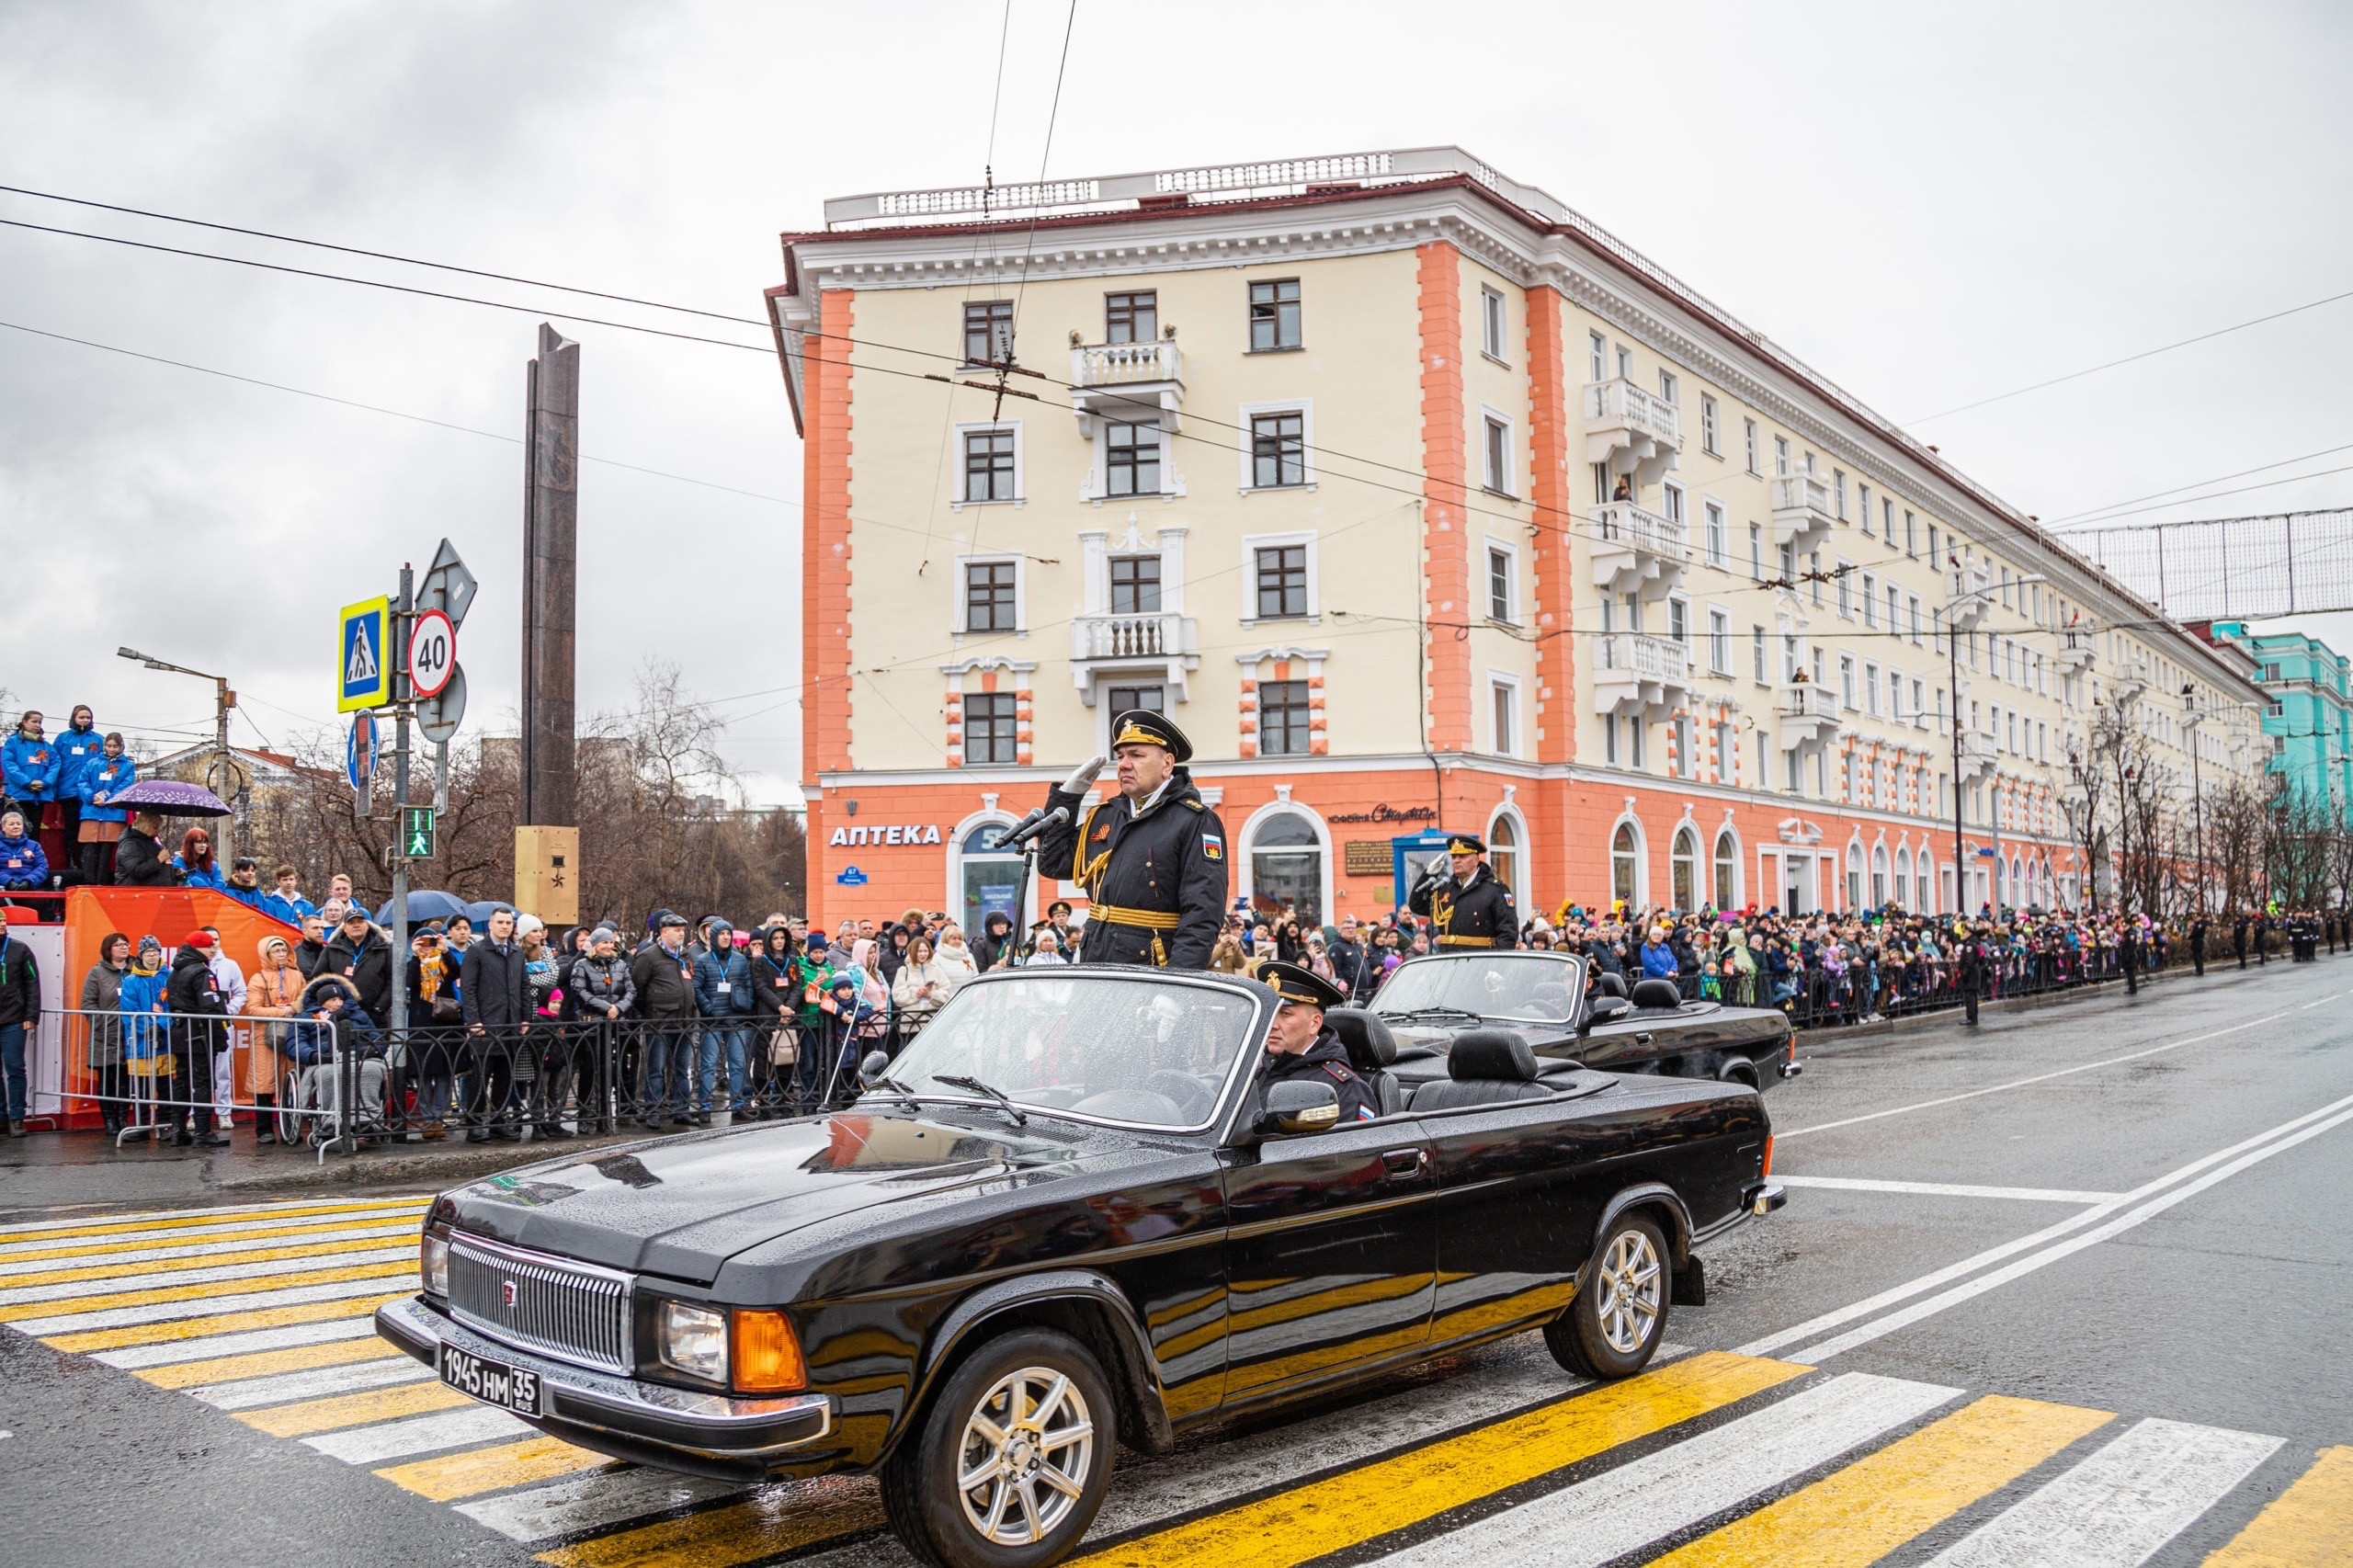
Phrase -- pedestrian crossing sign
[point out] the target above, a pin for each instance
(364, 676)
(416, 832)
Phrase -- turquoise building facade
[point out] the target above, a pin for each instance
(2308, 717)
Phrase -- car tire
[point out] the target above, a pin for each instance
(1018, 1516)
(1614, 1326)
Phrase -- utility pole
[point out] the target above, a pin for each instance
(403, 609)
(223, 699)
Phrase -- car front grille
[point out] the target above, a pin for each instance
(575, 1311)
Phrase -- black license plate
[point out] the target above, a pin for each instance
(492, 1382)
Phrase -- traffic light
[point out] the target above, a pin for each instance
(416, 833)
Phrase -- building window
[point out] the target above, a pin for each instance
(1638, 737)
(1624, 864)
(1667, 386)
(988, 332)
(1757, 552)
(988, 727)
(1715, 515)
(1287, 868)
(1870, 690)
(1498, 452)
(1814, 574)
(1601, 346)
(1131, 459)
(1911, 535)
(1914, 604)
(988, 465)
(1118, 700)
(1790, 570)
(1132, 318)
(1135, 585)
(1847, 681)
(1625, 363)
(1751, 434)
(1725, 892)
(1499, 584)
(1846, 592)
(1871, 600)
(1282, 718)
(1504, 700)
(1756, 652)
(1277, 449)
(1683, 867)
(1502, 853)
(1887, 520)
(1707, 424)
(1282, 582)
(1610, 739)
(1679, 619)
(1671, 502)
(1862, 505)
(1719, 643)
(1490, 322)
(991, 599)
(1893, 624)
(1782, 455)
(1838, 491)
(1274, 314)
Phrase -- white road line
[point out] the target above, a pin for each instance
(1906, 1316)
(1645, 1499)
(164, 1311)
(319, 1382)
(2118, 1507)
(1948, 1190)
(162, 1279)
(247, 1343)
(1968, 1266)
(418, 1435)
(24, 1264)
(250, 1211)
(592, 1502)
(2041, 1077)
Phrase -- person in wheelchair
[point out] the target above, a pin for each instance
(330, 1017)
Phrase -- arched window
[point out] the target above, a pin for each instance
(1879, 875)
(1503, 854)
(1625, 861)
(987, 877)
(1286, 867)
(1904, 878)
(1854, 876)
(1726, 889)
(1683, 869)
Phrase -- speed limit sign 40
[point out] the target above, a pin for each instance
(432, 652)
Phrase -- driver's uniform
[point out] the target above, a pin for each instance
(1324, 1061)
(1476, 914)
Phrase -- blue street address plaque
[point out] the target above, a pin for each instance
(851, 877)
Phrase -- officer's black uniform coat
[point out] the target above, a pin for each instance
(1325, 1061)
(1171, 862)
(1476, 914)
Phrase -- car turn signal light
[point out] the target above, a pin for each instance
(767, 1357)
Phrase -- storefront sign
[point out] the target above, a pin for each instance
(896, 833)
(1386, 812)
(1366, 857)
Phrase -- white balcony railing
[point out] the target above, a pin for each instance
(1977, 756)
(2077, 653)
(1638, 550)
(1126, 364)
(1802, 515)
(1637, 672)
(1132, 637)
(1631, 430)
(1809, 714)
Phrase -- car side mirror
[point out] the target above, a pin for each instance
(1606, 1010)
(873, 1067)
(1297, 1107)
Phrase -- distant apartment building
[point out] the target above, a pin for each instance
(1420, 502)
(2307, 710)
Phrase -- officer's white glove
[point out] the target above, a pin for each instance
(1077, 784)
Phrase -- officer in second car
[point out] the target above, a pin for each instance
(1301, 1047)
(1151, 858)
(1464, 904)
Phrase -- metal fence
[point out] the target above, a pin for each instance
(1816, 996)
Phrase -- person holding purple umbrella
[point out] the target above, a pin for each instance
(139, 859)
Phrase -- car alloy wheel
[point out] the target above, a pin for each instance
(1028, 1449)
(1631, 1283)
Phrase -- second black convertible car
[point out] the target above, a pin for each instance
(1066, 1219)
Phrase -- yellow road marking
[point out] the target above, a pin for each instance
(782, 1520)
(1373, 1500)
(74, 1304)
(352, 1409)
(261, 1363)
(1867, 1510)
(2308, 1526)
(219, 1322)
(492, 1470)
(398, 1225)
(212, 1260)
(410, 1205)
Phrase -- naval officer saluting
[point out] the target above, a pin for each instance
(1151, 858)
(1464, 904)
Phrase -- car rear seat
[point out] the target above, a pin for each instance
(1372, 1049)
(1484, 1067)
(1654, 994)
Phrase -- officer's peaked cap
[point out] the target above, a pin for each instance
(1142, 726)
(1296, 983)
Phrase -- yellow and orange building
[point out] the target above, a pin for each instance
(1419, 502)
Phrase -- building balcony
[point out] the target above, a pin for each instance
(1127, 383)
(1802, 515)
(1808, 715)
(2077, 653)
(1977, 756)
(1631, 430)
(1638, 551)
(1969, 597)
(2127, 685)
(1162, 647)
(1641, 674)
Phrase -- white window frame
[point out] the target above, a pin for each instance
(1599, 362)
(1671, 502)
(1494, 324)
(1670, 388)
(1678, 607)
(1838, 492)
(1756, 553)
(1020, 495)
(1781, 457)
(1750, 437)
(1871, 688)
(1846, 682)
(1846, 589)
(1306, 408)
(1716, 524)
(1719, 641)
(1871, 600)
(1511, 580)
(1503, 694)
(1490, 421)
(1021, 591)
(1710, 422)
(1251, 545)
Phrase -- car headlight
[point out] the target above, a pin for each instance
(692, 1340)
(433, 1262)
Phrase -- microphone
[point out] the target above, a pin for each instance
(1033, 825)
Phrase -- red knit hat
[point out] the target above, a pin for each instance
(197, 939)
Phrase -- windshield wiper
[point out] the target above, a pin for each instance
(884, 1081)
(1423, 1014)
(957, 1080)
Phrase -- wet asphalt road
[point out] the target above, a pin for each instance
(2223, 1305)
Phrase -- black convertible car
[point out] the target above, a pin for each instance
(1067, 1218)
(1430, 1001)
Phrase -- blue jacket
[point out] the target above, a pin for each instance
(292, 911)
(78, 751)
(215, 879)
(143, 996)
(730, 969)
(250, 897)
(104, 777)
(22, 863)
(1658, 962)
(30, 768)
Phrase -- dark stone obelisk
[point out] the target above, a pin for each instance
(550, 579)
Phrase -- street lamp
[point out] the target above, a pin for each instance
(223, 699)
(1964, 607)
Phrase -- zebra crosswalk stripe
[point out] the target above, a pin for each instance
(2308, 1526)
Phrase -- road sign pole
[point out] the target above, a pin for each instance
(397, 649)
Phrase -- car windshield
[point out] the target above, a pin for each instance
(1091, 1043)
(1532, 988)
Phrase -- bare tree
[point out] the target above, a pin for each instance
(2237, 825)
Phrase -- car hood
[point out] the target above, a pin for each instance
(681, 1207)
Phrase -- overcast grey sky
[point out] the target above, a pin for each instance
(1928, 205)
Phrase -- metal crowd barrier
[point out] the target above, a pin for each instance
(163, 1075)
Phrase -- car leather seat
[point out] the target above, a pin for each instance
(1484, 1067)
(1372, 1049)
(1608, 983)
(1656, 993)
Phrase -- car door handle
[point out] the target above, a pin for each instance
(1642, 1039)
(1403, 1165)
